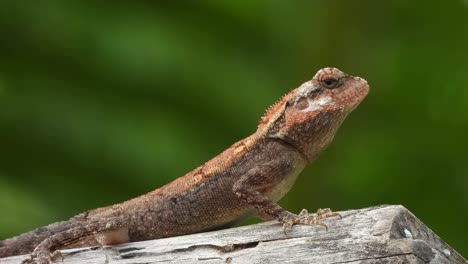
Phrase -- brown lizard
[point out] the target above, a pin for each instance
(248, 178)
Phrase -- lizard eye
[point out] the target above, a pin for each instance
(330, 83)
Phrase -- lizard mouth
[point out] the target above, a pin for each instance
(351, 94)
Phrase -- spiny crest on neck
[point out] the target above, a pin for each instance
(274, 111)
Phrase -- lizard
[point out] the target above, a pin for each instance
(246, 179)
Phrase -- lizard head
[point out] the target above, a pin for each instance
(308, 117)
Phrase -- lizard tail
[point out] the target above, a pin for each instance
(25, 243)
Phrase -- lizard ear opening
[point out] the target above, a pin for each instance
(302, 104)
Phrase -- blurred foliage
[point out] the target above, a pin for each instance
(101, 102)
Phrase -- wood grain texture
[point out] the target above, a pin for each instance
(384, 234)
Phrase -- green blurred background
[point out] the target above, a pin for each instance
(101, 102)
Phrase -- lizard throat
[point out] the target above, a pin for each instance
(285, 140)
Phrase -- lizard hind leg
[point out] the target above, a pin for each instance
(110, 231)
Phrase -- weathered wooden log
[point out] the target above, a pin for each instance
(384, 234)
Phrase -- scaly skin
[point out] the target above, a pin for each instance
(246, 179)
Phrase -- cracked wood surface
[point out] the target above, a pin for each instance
(384, 234)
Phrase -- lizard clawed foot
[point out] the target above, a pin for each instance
(33, 260)
(304, 218)
(42, 258)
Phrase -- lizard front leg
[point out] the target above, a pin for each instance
(106, 231)
(258, 181)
